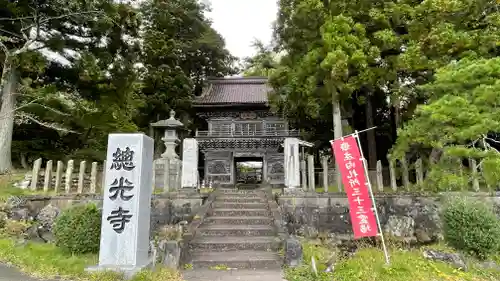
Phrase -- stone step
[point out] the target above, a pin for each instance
(223, 230)
(243, 205)
(248, 186)
(246, 220)
(240, 195)
(240, 212)
(236, 199)
(241, 191)
(235, 243)
(250, 195)
(237, 259)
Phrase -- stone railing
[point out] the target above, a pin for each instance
(65, 178)
(399, 175)
(88, 178)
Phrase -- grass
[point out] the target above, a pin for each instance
(206, 190)
(276, 190)
(47, 261)
(219, 267)
(44, 260)
(188, 266)
(7, 188)
(368, 264)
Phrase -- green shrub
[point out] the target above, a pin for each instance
(15, 229)
(77, 230)
(322, 255)
(446, 176)
(169, 232)
(471, 226)
(3, 219)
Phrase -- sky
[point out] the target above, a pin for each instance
(241, 21)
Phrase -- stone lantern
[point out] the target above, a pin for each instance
(169, 158)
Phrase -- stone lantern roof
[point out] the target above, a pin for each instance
(168, 123)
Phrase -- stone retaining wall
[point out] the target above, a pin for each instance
(165, 209)
(410, 217)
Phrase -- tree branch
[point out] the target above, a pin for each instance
(22, 31)
(486, 145)
(70, 15)
(4, 48)
(24, 48)
(493, 140)
(11, 33)
(37, 23)
(16, 19)
(52, 109)
(20, 107)
(37, 19)
(58, 17)
(26, 118)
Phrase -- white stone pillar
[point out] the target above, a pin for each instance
(310, 166)
(303, 173)
(190, 163)
(324, 164)
(264, 169)
(292, 168)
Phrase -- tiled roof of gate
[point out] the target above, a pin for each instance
(235, 91)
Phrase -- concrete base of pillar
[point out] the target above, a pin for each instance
(293, 191)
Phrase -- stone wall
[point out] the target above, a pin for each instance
(165, 209)
(410, 217)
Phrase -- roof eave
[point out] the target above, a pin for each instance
(230, 104)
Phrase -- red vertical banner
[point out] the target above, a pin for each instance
(350, 162)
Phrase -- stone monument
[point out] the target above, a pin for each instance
(126, 204)
(190, 178)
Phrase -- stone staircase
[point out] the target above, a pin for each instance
(237, 232)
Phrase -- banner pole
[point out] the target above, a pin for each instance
(341, 138)
(368, 183)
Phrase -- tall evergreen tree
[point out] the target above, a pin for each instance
(64, 62)
(263, 63)
(364, 53)
(461, 120)
(180, 50)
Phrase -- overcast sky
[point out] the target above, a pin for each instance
(240, 21)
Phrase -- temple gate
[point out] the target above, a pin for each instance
(240, 127)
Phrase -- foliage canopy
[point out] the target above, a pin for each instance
(375, 52)
(86, 69)
(461, 117)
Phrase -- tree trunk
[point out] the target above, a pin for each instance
(370, 134)
(435, 156)
(8, 85)
(24, 162)
(397, 114)
(337, 132)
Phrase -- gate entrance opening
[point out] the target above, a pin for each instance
(249, 169)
